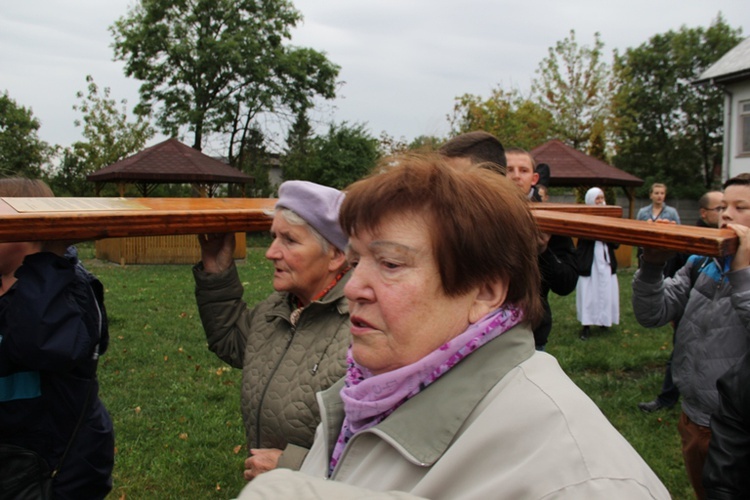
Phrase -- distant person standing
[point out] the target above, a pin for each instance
(658, 209)
(598, 292)
(543, 192)
(710, 216)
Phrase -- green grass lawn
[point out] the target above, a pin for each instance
(175, 405)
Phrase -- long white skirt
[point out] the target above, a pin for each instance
(598, 295)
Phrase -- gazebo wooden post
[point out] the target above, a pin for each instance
(630, 192)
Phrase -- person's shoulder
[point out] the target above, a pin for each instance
(643, 212)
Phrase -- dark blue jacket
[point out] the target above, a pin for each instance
(53, 327)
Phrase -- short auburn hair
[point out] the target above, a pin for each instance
(480, 224)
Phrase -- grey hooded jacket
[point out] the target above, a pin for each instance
(713, 310)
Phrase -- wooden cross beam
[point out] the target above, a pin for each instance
(80, 219)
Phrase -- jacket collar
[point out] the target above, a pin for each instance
(443, 407)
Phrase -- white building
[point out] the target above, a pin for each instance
(732, 74)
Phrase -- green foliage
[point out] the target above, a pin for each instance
(175, 405)
(255, 161)
(108, 138)
(669, 130)
(176, 409)
(515, 120)
(345, 154)
(298, 147)
(574, 87)
(22, 153)
(214, 65)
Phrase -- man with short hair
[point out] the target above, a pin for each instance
(711, 299)
(475, 147)
(556, 253)
(710, 216)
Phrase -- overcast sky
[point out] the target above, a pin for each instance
(403, 62)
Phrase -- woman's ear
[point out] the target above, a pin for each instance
(338, 260)
(489, 296)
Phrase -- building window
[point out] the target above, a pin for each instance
(745, 127)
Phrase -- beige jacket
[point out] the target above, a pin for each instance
(282, 366)
(506, 422)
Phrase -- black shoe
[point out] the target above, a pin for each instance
(652, 406)
(585, 333)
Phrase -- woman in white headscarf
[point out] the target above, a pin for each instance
(597, 293)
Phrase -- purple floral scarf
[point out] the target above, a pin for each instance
(368, 399)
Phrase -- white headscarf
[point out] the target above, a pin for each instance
(591, 195)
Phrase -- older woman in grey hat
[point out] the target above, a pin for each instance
(292, 344)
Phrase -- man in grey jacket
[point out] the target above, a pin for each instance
(711, 299)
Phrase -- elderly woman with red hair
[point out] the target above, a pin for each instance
(445, 396)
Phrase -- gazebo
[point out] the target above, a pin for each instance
(570, 167)
(168, 162)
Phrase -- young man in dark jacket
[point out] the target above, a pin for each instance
(556, 253)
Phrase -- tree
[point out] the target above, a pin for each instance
(108, 137)
(344, 155)
(256, 162)
(513, 119)
(574, 87)
(215, 65)
(669, 130)
(22, 152)
(298, 147)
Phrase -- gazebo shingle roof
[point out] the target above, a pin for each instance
(170, 162)
(570, 167)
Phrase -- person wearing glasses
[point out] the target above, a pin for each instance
(710, 216)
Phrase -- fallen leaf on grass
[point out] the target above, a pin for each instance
(237, 448)
(183, 436)
(137, 410)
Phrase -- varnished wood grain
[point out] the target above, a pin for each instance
(164, 216)
(680, 238)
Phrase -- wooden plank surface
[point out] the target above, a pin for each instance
(140, 217)
(79, 219)
(578, 208)
(680, 238)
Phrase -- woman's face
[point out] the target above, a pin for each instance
(398, 310)
(300, 265)
(600, 200)
(658, 195)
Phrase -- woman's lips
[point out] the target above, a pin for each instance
(359, 325)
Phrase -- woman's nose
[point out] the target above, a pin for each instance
(273, 253)
(356, 288)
